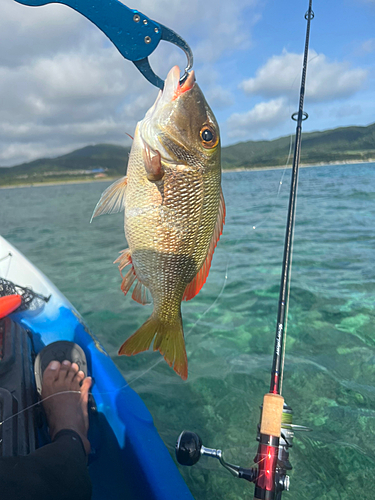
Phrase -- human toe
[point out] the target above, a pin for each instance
(65, 366)
(85, 387)
(79, 376)
(72, 372)
(51, 373)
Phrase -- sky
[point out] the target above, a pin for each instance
(63, 85)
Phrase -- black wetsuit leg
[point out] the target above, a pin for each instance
(56, 471)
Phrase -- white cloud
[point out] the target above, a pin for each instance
(263, 117)
(31, 32)
(368, 46)
(326, 80)
(63, 84)
(68, 100)
(217, 25)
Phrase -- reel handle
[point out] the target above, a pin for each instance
(188, 448)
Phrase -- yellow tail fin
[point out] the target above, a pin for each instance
(169, 342)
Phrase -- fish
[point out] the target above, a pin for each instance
(174, 213)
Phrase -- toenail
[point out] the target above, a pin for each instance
(66, 362)
(54, 365)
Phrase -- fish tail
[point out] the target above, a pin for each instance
(169, 341)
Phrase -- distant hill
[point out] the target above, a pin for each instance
(101, 159)
(340, 144)
(108, 160)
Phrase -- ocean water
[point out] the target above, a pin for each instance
(329, 378)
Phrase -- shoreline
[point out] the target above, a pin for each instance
(302, 165)
(57, 183)
(224, 171)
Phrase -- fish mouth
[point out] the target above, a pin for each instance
(151, 127)
(173, 88)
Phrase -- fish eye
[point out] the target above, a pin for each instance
(208, 137)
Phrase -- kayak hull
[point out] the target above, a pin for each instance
(129, 459)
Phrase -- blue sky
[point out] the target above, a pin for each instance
(63, 85)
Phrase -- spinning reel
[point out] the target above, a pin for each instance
(189, 450)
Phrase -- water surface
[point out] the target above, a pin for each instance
(330, 363)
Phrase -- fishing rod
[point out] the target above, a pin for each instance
(275, 433)
(276, 430)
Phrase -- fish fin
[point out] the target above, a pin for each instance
(152, 162)
(199, 280)
(128, 280)
(124, 260)
(140, 292)
(169, 342)
(113, 199)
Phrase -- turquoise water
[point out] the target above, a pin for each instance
(330, 362)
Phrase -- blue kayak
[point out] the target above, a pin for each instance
(129, 459)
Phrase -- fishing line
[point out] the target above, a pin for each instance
(273, 203)
(292, 134)
(187, 334)
(37, 404)
(6, 257)
(288, 296)
(291, 260)
(127, 384)
(9, 256)
(280, 184)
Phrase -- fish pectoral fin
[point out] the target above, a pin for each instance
(169, 342)
(152, 162)
(113, 199)
(199, 280)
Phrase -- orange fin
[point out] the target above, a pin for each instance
(169, 341)
(128, 280)
(196, 284)
(152, 162)
(124, 260)
(140, 292)
(113, 199)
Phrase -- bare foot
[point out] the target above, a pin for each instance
(69, 409)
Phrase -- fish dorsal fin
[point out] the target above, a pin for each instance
(140, 292)
(113, 199)
(196, 284)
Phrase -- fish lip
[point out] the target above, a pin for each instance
(187, 84)
(172, 90)
(172, 86)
